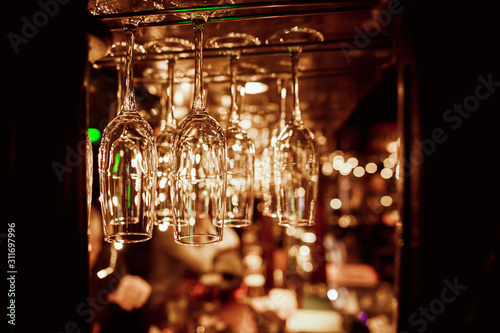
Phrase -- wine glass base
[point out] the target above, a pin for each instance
(296, 223)
(237, 223)
(128, 237)
(198, 239)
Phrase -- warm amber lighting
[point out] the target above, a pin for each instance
(371, 167)
(327, 169)
(335, 203)
(225, 101)
(308, 237)
(358, 171)
(253, 88)
(290, 231)
(344, 221)
(352, 161)
(338, 161)
(386, 200)
(332, 294)
(345, 169)
(392, 147)
(386, 173)
(304, 250)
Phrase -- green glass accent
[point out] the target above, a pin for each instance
(94, 134)
(129, 190)
(117, 162)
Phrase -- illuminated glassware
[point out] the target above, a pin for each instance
(239, 199)
(296, 157)
(127, 155)
(199, 162)
(270, 199)
(164, 139)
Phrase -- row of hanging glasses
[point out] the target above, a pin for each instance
(195, 176)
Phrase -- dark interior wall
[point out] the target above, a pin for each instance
(449, 68)
(44, 59)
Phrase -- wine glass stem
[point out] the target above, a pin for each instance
(198, 103)
(295, 55)
(233, 65)
(120, 93)
(281, 83)
(129, 98)
(167, 97)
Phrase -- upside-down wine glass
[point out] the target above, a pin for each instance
(164, 139)
(239, 199)
(199, 161)
(269, 196)
(296, 158)
(127, 155)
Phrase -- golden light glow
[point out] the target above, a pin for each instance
(290, 231)
(386, 173)
(308, 237)
(358, 171)
(304, 250)
(371, 167)
(225, 101)
(386, 200)
(337, 162)
(335, 203)
(352, 161)
(345, 169)
(344, 221)
(392, 147)
(327, 169)
(253, 88)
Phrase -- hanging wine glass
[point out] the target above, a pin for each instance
(164, 139)
(199, 161)
(296, 159)
(269, 196)
(240, 148)
(127, 155)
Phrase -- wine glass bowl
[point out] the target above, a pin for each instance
(295, 35)
(232, 42)
(169, 46)
(199, 180)
(127, 170)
